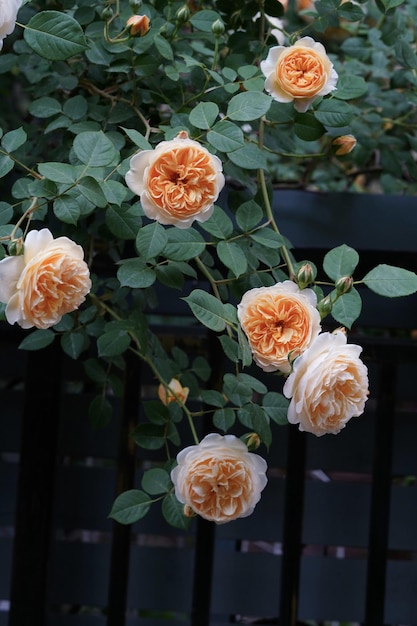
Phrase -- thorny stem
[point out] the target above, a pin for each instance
(268, 208)
(98, 302)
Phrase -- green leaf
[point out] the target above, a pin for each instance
(347, 308)
(124, 223)
(37, 340)
(405, 54)
(94, 148)
(350, 11)
(232, 256)
(213, 398)
(100, 412)
(390, 4)
(236, 390)
(113, 343)
(334, 113)
(73, 343)
(201, 368)
(14, 139)
(350, 87)
(230, 348)
(164, 47)
(391, 281)
(253, 383)
(59, 172)
(203, 115)
(130, 506)
(276, 406)
(149, 436)
(307, 127)
(6, 213)
(92, 191)
(245, 350)
(54, 35)
(151, 240)
(45, 107)
(6, 165)
(249, 157)
(340, 261)
(248, 106)
(173, 512)
(219, 224)
(224, 419)
(203, 20)
(208, 310)
(255, 417)
(137, 138)
(136, 274)
(183, 244)
(156, 481)
(226, 136)
(248, 215)
(67, 209)
(268, 238)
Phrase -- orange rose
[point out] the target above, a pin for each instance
(48, 280)
(219, 479)
(328, 385)
(280, 322)
(344, 144)
(178, 182)
(138, 25)
(299, 73)
(166, 396)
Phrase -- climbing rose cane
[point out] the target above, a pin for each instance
(219, 479)
(328, 385)
(299, 73)
(280, 322)
(178, 182)
(50, 279)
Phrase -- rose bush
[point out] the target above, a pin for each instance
(141, 144)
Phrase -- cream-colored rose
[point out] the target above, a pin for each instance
(280, 322)
(299, 73)
(219, 479)
(328, 385)
(8, 15)
(166, 396)
(178, 182)
(50, 279)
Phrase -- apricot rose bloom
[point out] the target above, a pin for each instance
(280, 322)
(8, 15)
(328, 385)
(219, 479)
(50, 279)
(178, 182)
(166, 396)
(300, 73)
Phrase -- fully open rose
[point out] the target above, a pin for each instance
(178, 182)
(50, 279)
(8, 15)
(299, 73)
(328, 385)
(219, 479)
(280, 322)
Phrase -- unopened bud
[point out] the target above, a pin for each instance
(16, 247)
(107, 13)
(346, 144)
(217, 28)
(344, 285)
(135, 5)
(173, 393)
(325, 306)
(182, 15)
(305, 275)
(251, 440)
(188, 511)
(138, 25)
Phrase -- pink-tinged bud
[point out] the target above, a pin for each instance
(305, 275)
(346, 144)
(344, 285)
(138, 25)
(252, 441)
(174, 392)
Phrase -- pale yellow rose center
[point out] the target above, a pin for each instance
(276, 325)
(54, 287)
(182, 181)
(219, 488)
(301, 72)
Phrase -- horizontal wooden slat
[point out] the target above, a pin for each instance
(336, 514)
(332, 589)
(160, 579)
(246, 583)
(401, 593)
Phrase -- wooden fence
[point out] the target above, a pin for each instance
(333, 539)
